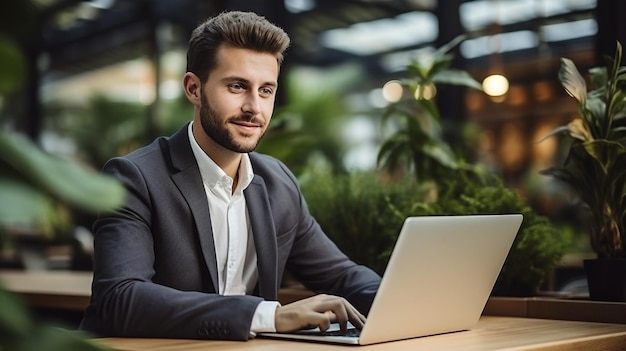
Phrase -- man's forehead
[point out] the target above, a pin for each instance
(247, 64)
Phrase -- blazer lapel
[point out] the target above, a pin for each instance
(188, 180)
(264, 236)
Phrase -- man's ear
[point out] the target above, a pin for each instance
(192, 87)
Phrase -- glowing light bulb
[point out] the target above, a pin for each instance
(392, 91)
(496, 85)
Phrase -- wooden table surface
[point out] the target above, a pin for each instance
(504, 326)
(491, 333)
(71, 290)
(68, 290)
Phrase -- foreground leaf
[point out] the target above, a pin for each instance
(64, 180)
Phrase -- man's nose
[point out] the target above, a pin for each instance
(252, 104)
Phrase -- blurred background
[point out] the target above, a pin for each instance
(93, 79)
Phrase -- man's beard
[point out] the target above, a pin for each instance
(210, 121)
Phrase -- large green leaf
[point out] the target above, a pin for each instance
(441, 153)
(604, 152)
(565, 176)
(440, 63)
(66, 181)
(442, 50)
(431, 108)
(598, 76)
(394, 150)
(456, 77)
(572, 81)
(618, 105)
(24, 206)
(594, 117)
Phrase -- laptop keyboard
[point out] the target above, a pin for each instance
(334, 330)
(352, 332)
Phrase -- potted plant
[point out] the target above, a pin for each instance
(595, 168)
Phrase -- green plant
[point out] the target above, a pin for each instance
(102, 129)
(310, 120)
(363, 213)
(595, 166)
(538, 246)
(20, 332)
(417, 143)
(36, 189)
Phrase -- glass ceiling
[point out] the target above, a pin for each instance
(492, 26)
(421, 27)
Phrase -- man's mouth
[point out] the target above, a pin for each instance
(246, 125)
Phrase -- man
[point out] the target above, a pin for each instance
(209, 227)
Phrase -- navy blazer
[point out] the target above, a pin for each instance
(155, 271)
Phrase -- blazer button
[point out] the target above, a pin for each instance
(214, 330)
(204, 332)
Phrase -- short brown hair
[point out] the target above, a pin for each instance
(244, 30)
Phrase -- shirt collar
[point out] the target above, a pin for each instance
(211, 173)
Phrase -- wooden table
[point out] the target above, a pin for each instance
(507, 323)
(62, 290)
(491, 333)
(71, 290)
(557, 308)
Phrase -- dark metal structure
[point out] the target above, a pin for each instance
(72, 36)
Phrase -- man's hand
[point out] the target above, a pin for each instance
(317, 311)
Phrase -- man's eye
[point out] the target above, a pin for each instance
(266, 91)
(237, 86)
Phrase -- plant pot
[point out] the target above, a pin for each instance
(606, 279)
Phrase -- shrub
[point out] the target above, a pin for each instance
(363, 214)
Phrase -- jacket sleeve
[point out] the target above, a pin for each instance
(318, 263)
(126, 298)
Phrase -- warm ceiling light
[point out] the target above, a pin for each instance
(496, 85)
(426, 92)
(392, 91)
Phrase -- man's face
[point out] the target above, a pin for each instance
(237, 100)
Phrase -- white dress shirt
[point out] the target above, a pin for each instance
(232, 234)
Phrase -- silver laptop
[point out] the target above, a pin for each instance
(438, 279)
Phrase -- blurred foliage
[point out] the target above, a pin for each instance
(20, 332)
(17, 19)
(174, 114)
(595, 166)
(36, 189)
(102, 129)
(421, 175)
(106, 128)
(306, 131)
(363, 214)
(12, 67)
(416, 145)
(303, 132)
(538, 246)
(65, 180)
